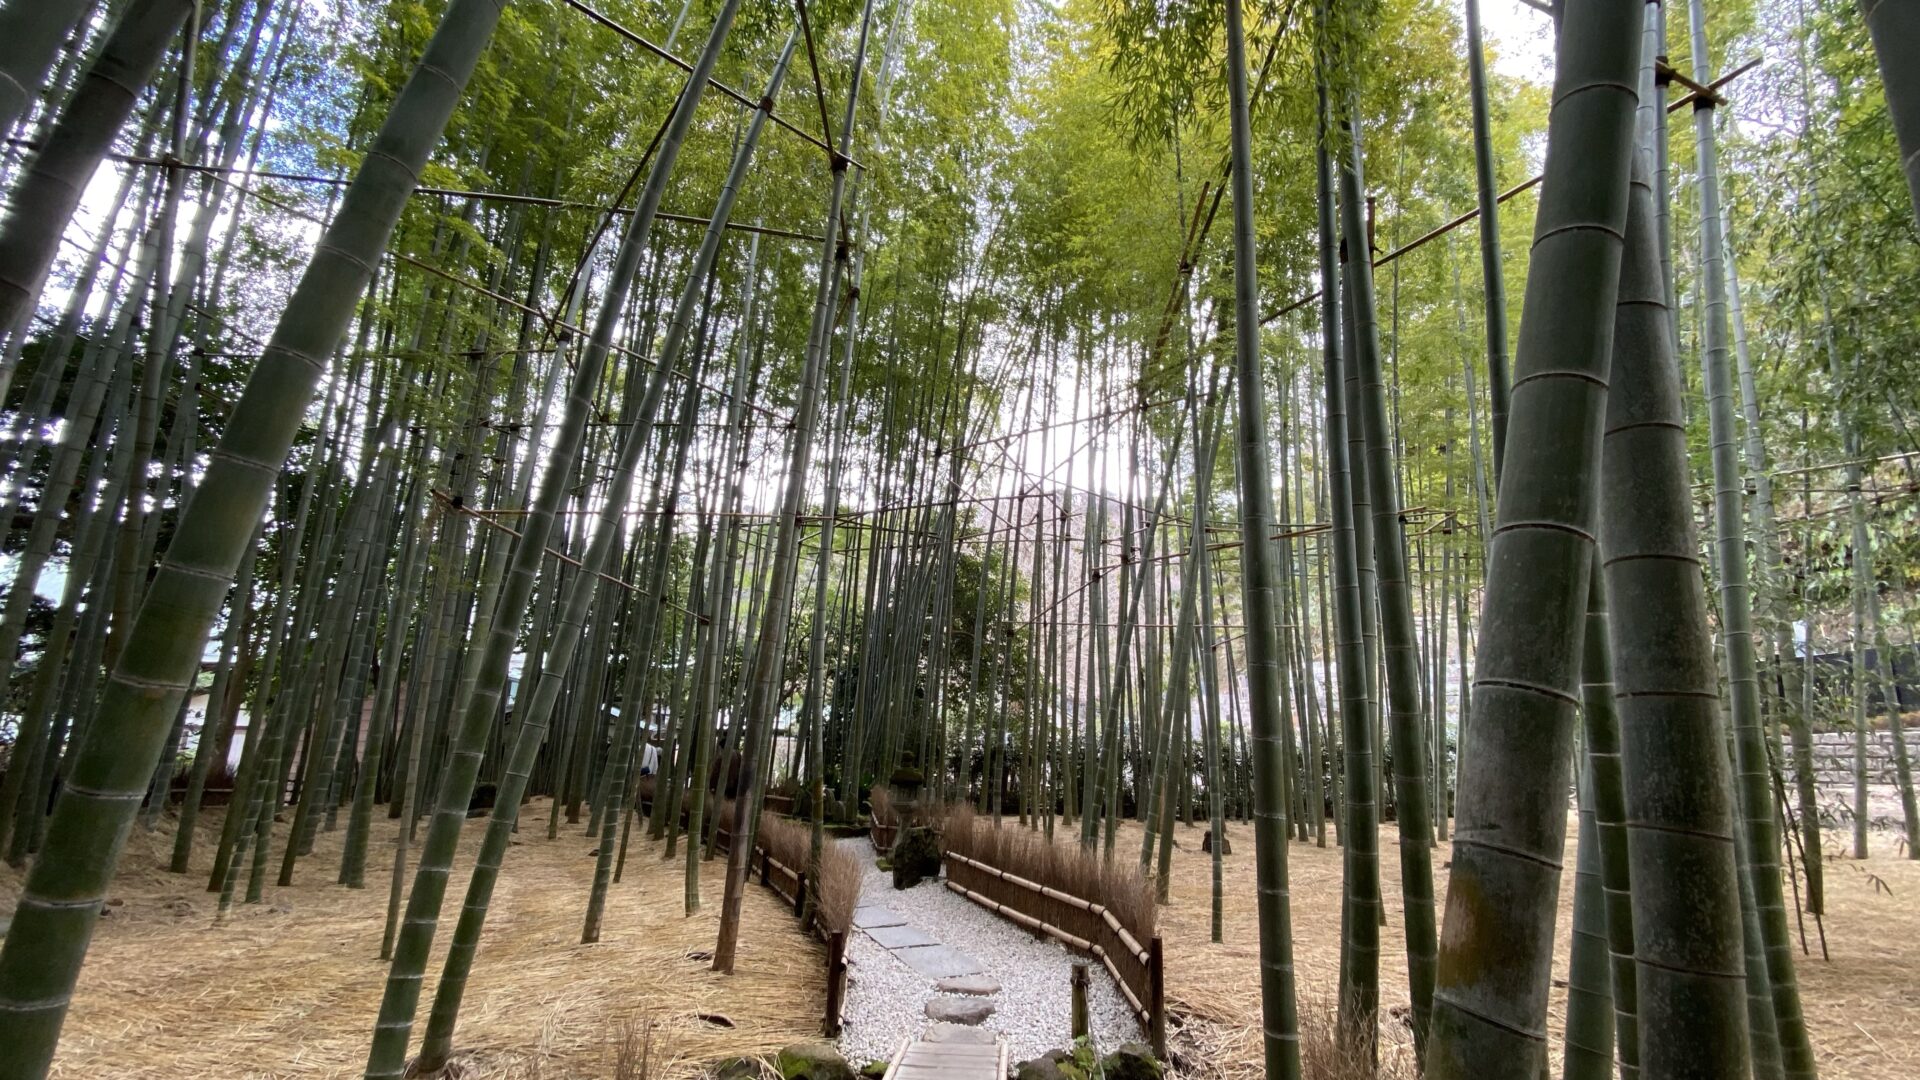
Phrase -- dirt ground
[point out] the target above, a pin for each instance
(1862, 1005)
(290, 987)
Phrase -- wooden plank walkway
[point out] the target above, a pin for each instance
(919, 1059)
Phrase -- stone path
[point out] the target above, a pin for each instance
(952, 1046)
(920, 951)
(927, 965)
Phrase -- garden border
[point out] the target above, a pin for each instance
(1139, 970)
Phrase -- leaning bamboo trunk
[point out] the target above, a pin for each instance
(30, 37)
(1895, 28)
(58, 906)
(1679, 793)
(1492, 274)
(1589, 1040)
(51, 183)
(1404, 714)
(1278, 1009)
(1754, 788)
(387, 1055)
(763, 690)
(1600, 724)
(437, 1044)
(1490, 1001)
(1358, 800)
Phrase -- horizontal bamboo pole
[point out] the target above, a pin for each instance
(736, 95)
(1127, 939)
(1434, 234)
(169, 162)
(1133, 1000)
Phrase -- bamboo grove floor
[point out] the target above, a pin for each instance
(289, 987)
(1863, 1006)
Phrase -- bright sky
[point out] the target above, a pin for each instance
(1519, 38)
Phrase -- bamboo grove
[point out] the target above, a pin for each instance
(1113, 412)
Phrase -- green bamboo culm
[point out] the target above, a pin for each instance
(1357, 804)
(763, 688)
(1600, 724)
(217, 718)
(54, 921)
(1496, 955)
(386, 1057)
(1406, 720)
(1492, 277)
(1600, 1011)
(437, 1043)
(1279, 1016)
(30, 37)
(1754, 779)
(1589, 1049)
(1689, 956)
(52, 181)
(1894, 26)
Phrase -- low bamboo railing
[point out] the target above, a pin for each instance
(1138, 969)
(790, 884)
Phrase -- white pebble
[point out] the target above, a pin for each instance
(886, 1000)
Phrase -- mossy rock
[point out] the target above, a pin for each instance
(874, 1070)
(481, 802)
(813, 1061)
(1057, 1065)
(916, 857)
(1133, 1061)
(736, 1068)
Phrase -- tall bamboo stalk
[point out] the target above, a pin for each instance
(57, 909)
(1490, 999)
(1492, 273)
(52, 181)
(1405, 715)
(1679, 794)
(1279, 1018)
(770, 648)
(1754, 786)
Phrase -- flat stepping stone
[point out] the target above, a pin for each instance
(959, 1010)
(901, 937)
(939, 961)
(974, 985)
(869, 916)
(958, 1034)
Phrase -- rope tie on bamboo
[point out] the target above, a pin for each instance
(104, 795)
(147, 684)
(1522, 684)
(1503, 849)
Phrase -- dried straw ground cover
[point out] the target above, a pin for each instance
(1863, 1007)
(289, 988)
(1118, 885)
(790, 842)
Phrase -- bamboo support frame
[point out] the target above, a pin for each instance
(1150, 1009)
(1710, 91)
(670, 58)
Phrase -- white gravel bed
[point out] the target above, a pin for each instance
(886, 999)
